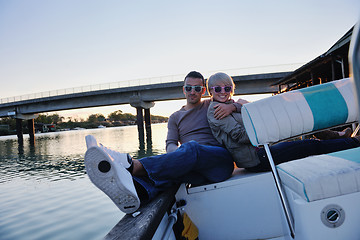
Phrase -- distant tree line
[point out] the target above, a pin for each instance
(117, 118)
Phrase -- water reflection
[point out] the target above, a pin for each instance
(28, 163)
(44, 191)
(145, 149)
(61, 155)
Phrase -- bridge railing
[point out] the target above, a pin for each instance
(148, 81)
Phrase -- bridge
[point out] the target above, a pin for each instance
(142, 97)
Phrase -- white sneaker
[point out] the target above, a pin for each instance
(112, 178)
(123, 158)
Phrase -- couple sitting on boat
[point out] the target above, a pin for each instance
(212, 137)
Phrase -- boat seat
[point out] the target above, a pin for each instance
(323, 176)
(305, 111)
(299, 112)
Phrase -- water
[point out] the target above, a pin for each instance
(44, 190)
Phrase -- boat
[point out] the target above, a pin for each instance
(78, 128)
(312, 198)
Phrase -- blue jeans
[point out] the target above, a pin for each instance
(190, 163)
(287, 151)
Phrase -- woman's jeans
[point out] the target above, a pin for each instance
(190, 163)
(287, 151)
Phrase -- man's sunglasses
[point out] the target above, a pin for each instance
(217, 89)
(188, 88)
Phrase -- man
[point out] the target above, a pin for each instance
(200, 158)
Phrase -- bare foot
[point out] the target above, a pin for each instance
(346, 133)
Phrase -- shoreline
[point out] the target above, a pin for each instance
(26, 135)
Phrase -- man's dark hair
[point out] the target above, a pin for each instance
(195, 74)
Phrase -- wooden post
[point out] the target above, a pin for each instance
(342, 68)
(332, 70)
(312, 78)
(30, 124)
(19, 131)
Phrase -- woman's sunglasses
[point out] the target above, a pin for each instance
(217, 89)
(188, 88)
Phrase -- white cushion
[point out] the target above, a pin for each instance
(323, 176)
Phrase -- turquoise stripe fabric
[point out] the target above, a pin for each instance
(350, 154)
(327, 105)
(252, 123)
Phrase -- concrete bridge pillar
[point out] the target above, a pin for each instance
(140, 121)
(31, 128)
(147, 123)
(136, 102)
(30, 124)
(19, 131)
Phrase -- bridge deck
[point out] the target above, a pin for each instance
(249, 84)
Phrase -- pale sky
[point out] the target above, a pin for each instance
(49, 45)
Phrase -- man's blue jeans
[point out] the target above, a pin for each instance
(287, 151)
(190, 163)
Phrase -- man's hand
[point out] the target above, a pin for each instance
(171, 148)
(223, 110)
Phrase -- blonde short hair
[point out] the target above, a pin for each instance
(217, 78)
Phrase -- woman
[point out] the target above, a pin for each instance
(230, 132)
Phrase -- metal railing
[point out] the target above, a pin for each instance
(148, 81)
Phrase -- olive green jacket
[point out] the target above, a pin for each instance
(230, 132)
